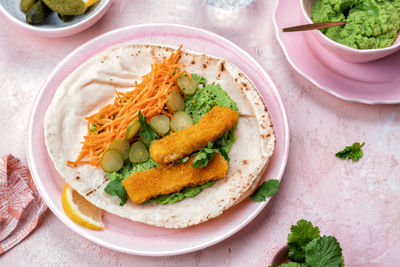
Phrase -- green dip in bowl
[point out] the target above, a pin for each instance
(371, 24)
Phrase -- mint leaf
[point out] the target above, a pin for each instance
(205, 155)
(183, 160)
(93, 128)
(225, 142)
(266, 189)
(199, 78)
(202, 158)
(300, 235)
(146, 133)
(353, 152)
(324, 251)
(115, 188)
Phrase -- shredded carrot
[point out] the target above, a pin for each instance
(111, 121)
(187, 74)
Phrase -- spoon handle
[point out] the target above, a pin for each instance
(313, 26)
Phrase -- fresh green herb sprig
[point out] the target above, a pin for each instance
(266, 189)
(353, 152)
(115, 188)
(147, 134)
(206, 154)
(183, 160)
(324, 251)
(300, 235)
(308, 249)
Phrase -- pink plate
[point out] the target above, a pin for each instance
(375, 82)
(137, 238)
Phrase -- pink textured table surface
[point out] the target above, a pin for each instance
(359, 202)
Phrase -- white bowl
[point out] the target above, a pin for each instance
(347, 53)
(54, 27)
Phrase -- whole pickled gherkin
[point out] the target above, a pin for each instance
(37, 13)
(67, 7)
(26, 4)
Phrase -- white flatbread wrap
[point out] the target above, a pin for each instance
(93, 85)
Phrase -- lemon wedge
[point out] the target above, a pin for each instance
(90, 2)
(81, 211)
(69, 7)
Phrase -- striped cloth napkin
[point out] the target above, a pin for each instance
(20, 203)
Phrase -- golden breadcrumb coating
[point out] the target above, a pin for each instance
(165, 179)
(182, 143)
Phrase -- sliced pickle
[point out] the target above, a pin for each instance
(65, 18)
(180, 121)
(111, 161)
(37, 13)
(26, 4)
(122, 146)
(160, 124)
(175, 101)
(138, 152)
(186, 85)
(132, 129)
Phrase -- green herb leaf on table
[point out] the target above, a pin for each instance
(324, 251)
(266, 189)
(353, 152)
(300, 235)
(146, 132)
(115, 188)
(199, 78)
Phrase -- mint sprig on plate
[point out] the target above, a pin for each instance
(115, 188)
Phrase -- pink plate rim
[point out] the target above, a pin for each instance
(314, 81)
(108, 36)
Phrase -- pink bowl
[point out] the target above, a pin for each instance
(346, 53)
(280, 256)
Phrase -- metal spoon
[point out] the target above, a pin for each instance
(313, 26)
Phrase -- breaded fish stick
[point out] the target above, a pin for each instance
(182, 143)
(165, 179)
